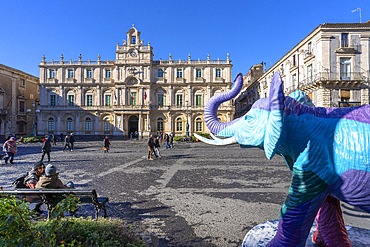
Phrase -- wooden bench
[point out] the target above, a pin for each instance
(48, 196)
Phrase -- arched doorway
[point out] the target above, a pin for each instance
(133, 124)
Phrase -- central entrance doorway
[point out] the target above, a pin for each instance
(133, 125)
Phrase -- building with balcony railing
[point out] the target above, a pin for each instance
(133, 93)
(19, 93)
(331, 65)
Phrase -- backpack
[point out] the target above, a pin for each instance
(19, 182)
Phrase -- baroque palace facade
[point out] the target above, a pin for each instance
(331, 65)
(19, 96)
(133, 93)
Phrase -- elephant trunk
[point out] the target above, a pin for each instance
(210, 110)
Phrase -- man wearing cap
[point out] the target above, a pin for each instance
(50, 180)
(10, 147)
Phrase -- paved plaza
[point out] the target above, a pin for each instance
(195, 195)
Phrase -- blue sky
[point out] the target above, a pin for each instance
(250, 31)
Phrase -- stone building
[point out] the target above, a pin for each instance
(19, 96)
(331, 64)
(251, 91)
(133, 93)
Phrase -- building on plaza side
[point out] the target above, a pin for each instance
(19, 96)
(331, 65)
(132, 93)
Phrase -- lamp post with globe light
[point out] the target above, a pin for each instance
(33, 116)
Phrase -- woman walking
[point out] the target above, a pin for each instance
(10, 147)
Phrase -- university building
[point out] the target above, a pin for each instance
(133, 93)
(19, 97)
(331, 64)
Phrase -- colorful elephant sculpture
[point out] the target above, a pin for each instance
(326, 149)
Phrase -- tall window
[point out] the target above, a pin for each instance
(160, 73)
(108, 100)
(294, 80)
(22, 83)
(198, 73)
(133, 97)
(198, 100)
(294, 60)
(309, 74)
(21, 127)
(51, 124)
(89, 100)
(71, 100)
(198, 124)
(53, 100)
(22, 106)
(345, 68)
(51, 74)
(179, 73)
(107, 73)
(87, 124)
(160, 124)
(160, 99)
(89, 73)
(344, 40)
(69, 124)
(218, 73)
(70, 73)
(133, 40)
(178, 99)
(179, 123)
(106, 126)
(309, 47)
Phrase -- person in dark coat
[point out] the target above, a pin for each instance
(46, 148)
(156, 147)
(67, 143)
(50, 180)
(72, 141)
(106, 144)
(151, 146)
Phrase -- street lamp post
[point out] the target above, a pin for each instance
(33, 111)
(187, 119)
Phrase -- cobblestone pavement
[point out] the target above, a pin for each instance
(195, 195)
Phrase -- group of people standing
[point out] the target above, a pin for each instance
(153, 147)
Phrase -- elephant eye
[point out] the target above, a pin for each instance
(248, 117)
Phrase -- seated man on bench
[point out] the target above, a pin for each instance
(50, 180)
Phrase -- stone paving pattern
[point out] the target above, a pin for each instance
(195, 195)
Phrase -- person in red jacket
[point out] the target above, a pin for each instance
(10, 147)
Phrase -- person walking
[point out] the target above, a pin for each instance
(67, 143)
(157, 146)
(72, 141)
(46, 148)
(106, 144)
(171, 140)
(150, 147)
(167, 140)
(10, 147)
(54, 140)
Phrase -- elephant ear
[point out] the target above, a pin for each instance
(275, 122)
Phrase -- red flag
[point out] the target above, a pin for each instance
(144, 95)
(132, 97)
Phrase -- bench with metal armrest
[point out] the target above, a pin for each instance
(52, 196)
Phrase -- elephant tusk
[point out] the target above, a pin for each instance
(217, 141)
